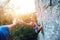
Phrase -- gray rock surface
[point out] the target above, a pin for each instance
(49, 17)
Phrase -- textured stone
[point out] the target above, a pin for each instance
(49, 16)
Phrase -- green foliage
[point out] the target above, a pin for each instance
(23, 33)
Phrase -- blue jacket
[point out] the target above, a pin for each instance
(4, 32)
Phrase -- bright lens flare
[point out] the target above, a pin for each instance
(23, 6)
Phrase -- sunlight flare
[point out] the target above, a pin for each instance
(23, 6)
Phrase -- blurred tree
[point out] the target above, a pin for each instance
(23, 33)
(3, 3)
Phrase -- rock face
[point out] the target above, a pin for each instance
(49, 17)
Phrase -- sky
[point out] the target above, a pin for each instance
(22, 6)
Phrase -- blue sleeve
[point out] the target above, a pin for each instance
(4, 32)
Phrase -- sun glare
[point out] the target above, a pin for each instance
(23, 6)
